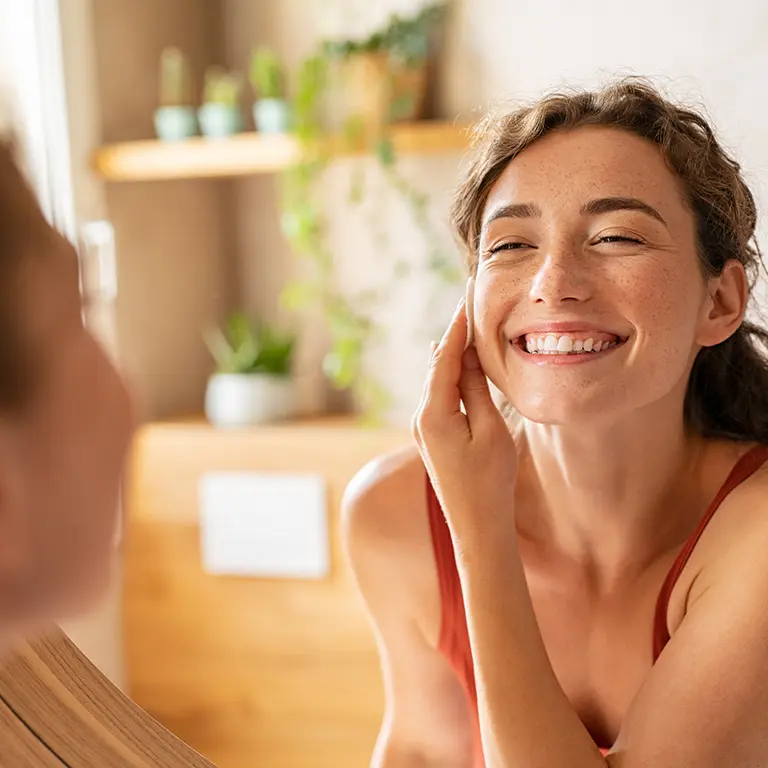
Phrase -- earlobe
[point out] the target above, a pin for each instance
(726, 304)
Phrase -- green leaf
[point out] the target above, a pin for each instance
(299, 294)
(385, 151)
(402, 107)
(444, 269)
(239, 329)
(266, 74)
(301, 226)
(353, 132)
(374, 399)
(219, 347)
(342, 363)
(249, 347)
(357, 185)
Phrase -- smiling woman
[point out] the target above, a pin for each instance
(587, 589)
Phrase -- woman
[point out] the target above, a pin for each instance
(589, 588)
(65, 424)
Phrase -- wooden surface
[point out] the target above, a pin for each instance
(251, 153)
(58, 711)
(250, 672)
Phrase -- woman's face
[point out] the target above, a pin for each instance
(589, 297)
(66, 450)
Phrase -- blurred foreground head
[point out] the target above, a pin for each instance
(65, 423)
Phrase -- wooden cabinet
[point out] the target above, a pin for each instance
(266, 672)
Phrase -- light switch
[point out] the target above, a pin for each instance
(254, 524)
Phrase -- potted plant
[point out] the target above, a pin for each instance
(409, 43)
(220, 113)
(175, 118)
(270, 111)
(384, 76)
(253, 383)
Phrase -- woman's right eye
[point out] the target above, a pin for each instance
(513, 246)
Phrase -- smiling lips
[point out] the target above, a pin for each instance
(577, 343)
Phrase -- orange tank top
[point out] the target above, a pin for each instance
(453, 641)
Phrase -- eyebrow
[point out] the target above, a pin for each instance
(591, 208)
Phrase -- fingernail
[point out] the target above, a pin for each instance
(433, 345)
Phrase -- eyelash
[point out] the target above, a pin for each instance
(606, 239)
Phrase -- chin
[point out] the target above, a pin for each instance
(555, 417)
(562, 409)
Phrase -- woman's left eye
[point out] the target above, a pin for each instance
(618, 239)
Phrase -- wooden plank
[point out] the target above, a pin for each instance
(249, 672)
(79, 719)
(20, 747)
(252, 153)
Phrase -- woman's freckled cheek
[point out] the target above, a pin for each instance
(494, 299)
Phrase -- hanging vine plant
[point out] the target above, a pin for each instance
(382, 79)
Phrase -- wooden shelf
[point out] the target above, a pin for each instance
(251, 153)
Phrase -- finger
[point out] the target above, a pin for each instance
(433, 345)
(442, 387)
(415, 421)
(475, 392)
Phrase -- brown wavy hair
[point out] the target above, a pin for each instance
(727, 393)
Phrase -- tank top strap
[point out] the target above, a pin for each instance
(451, 602)
(744, 468)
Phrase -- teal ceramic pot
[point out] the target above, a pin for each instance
(219, 120)
(271, 116)
(175, 123)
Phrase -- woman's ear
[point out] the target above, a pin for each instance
(470, 311)
(726, 303)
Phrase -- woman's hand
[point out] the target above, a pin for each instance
(471, 458)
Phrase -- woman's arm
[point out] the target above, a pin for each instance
(526, 719)
(427, 720)
(705, 702)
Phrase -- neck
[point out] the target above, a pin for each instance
(602, 491)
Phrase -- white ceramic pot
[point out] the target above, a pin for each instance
(239, 400)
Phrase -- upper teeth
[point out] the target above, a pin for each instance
(564, 345)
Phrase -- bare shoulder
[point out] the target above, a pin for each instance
(734, 543)
(387, 536)
(744, 512)
(386, 500)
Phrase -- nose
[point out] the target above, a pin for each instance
(558, 279)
